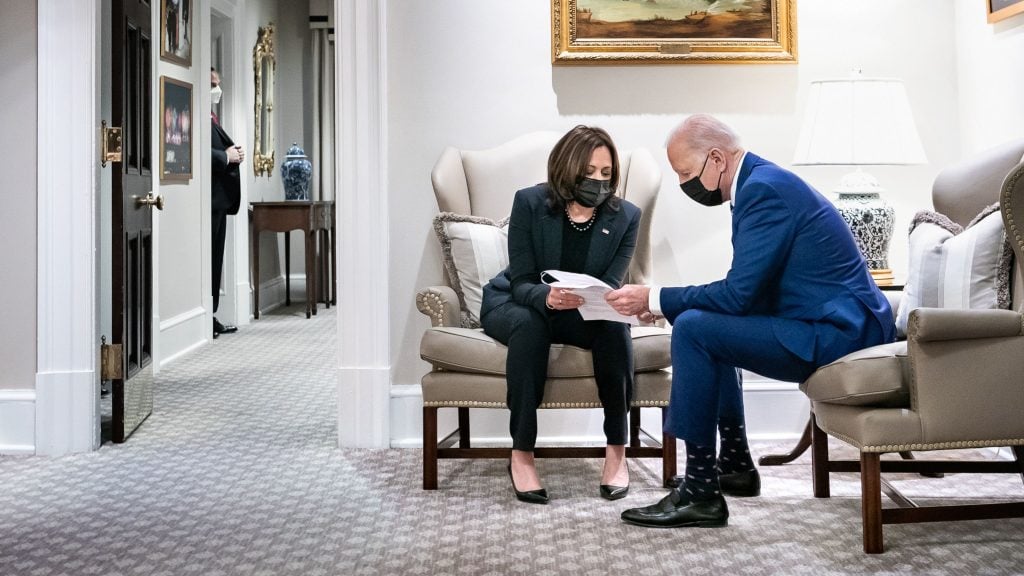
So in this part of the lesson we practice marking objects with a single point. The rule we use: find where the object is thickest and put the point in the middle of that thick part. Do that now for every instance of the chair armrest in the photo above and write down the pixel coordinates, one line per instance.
(965, 374)
(440, 304)
(937, 324)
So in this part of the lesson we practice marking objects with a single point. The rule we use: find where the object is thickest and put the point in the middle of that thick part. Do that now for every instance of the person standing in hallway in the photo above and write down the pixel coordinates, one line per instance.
(797, 296)
(225, 194)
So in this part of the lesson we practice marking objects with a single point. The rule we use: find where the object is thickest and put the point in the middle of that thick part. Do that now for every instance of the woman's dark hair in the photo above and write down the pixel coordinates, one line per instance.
(567, 164)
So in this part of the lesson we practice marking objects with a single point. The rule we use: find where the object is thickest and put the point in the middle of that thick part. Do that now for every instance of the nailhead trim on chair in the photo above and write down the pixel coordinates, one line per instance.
(478, 404)
(945, 445)
(430, 304)
(960, 444)
(1008, 208)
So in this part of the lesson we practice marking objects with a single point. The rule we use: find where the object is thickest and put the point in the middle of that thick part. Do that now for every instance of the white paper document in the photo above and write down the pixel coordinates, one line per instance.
(592, 290)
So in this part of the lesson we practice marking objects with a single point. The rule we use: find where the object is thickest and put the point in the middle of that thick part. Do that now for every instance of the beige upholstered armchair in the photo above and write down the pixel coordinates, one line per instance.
(468, 367)
(956, 382)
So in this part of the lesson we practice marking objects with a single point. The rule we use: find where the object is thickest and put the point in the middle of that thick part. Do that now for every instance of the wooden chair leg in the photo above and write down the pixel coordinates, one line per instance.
(819, 461)
(429, 448)
(464, 428)
(871, 501)
(668, 453)
(1018, 453)
(668, 458)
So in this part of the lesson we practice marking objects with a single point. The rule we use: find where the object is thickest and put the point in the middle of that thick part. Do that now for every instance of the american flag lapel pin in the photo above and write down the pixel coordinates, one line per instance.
(604, 231)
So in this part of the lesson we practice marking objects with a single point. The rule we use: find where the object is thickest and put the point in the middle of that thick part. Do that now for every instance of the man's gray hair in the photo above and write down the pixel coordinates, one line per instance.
(702, 132)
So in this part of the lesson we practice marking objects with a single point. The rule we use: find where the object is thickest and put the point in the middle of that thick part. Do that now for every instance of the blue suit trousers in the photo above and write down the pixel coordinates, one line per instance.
(707, 348)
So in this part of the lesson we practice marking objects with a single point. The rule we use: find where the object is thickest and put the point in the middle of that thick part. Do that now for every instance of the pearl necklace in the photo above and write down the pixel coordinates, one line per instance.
(585, 226)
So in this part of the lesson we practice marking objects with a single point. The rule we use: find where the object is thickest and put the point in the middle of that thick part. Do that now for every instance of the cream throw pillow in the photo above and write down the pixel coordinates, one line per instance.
(954, 267)
(475, 250)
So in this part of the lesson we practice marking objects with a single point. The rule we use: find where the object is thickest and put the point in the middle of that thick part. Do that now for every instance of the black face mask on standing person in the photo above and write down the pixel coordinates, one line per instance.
(591, 192)
(696, 190)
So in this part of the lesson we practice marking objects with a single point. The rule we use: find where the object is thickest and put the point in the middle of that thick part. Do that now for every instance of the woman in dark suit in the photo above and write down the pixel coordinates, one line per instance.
(573, 222)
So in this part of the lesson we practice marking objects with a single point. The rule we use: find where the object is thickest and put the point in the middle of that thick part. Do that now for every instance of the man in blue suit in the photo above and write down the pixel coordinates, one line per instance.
(797, 296)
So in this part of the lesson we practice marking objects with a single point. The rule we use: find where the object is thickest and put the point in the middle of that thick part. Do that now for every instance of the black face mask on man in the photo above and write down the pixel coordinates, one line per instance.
(696, 190)
(591, 192)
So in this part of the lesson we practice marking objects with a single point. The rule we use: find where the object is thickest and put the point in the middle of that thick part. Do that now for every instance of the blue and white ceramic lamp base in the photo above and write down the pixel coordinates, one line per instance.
(871, 220)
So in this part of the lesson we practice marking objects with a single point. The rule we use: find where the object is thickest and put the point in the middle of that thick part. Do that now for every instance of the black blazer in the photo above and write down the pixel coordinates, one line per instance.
(226, 191)
(535, 245)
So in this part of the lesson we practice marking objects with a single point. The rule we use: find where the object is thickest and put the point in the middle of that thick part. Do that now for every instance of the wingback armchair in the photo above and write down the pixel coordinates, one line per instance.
(956, 382)
(468, 367)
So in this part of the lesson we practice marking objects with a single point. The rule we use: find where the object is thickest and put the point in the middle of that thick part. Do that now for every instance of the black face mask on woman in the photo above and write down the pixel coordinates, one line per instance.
(591, 193)
(696, 190)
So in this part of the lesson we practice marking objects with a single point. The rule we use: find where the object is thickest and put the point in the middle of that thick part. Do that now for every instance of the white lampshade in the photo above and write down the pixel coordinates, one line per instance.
(858, 121)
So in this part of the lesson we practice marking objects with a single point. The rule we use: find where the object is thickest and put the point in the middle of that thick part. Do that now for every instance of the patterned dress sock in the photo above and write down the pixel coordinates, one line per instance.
(701, 476)
(733, 452)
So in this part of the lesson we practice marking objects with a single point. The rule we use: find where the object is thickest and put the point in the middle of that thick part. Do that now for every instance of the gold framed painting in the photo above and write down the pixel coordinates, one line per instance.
(1003, 9)
(176, 31)
(175, 130)
(673, 31)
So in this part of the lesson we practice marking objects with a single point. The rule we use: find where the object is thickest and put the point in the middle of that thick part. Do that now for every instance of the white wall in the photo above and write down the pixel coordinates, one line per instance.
(474, 74)
(294, 105)
(182, 227)
(18, 230)
(18, 92)
(990, 58)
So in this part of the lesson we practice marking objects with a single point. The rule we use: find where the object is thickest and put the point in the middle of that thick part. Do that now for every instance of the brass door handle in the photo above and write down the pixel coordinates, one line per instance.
(151, 200)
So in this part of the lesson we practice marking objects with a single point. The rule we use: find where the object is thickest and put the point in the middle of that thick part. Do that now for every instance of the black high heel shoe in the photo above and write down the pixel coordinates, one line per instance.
(539, 496)
(610, 492)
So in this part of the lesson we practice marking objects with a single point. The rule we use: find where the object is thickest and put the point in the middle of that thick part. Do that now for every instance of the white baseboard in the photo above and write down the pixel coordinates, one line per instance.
(273, 292)
(67, 412)
(363, 407)
(182, 334)
(17, 422)
(774, 410)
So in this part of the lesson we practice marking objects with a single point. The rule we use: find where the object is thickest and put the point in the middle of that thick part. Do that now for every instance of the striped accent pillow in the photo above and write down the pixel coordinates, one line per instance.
(954, 267)
(475, 250)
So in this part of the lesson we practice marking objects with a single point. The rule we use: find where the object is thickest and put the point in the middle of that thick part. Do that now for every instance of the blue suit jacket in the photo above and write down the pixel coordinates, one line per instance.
(794, 260)
(535, 245)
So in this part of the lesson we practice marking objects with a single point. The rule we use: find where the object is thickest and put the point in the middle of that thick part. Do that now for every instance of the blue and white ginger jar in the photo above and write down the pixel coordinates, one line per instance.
(296, 172)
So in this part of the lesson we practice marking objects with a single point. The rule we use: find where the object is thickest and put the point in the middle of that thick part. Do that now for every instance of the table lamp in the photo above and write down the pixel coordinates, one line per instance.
(860, 121)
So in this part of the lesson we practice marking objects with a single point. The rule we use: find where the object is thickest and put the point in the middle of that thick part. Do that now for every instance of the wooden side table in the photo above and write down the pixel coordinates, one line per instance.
(316, 220)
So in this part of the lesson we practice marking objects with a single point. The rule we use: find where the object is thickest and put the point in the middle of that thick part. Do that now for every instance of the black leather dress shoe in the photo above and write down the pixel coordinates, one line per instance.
(609, 492)
(739, 484)
(677, 511)
(219, 328)
(539, 496)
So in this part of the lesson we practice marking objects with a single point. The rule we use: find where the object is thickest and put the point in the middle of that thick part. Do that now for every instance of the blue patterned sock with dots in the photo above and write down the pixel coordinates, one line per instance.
(701, 476)
(733, 452)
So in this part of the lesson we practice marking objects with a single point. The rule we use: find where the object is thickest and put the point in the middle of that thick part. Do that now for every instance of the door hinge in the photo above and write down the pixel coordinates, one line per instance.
(110, 144)
(111, 361)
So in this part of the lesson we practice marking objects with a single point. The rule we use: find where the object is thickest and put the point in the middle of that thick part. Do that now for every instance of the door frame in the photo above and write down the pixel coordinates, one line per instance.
(236, 303)
(67, 404)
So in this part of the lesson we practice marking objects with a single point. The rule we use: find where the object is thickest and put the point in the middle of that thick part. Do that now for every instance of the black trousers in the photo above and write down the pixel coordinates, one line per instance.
(529, 335)
(218, 234)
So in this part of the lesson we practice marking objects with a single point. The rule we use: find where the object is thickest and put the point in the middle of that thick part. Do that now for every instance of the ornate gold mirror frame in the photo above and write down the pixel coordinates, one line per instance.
(263, 64)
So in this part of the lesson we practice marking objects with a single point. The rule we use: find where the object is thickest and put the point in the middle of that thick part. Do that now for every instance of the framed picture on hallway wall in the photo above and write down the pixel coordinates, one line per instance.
(673, 31)
(1003, 9)
(175, 130)
(176, 31)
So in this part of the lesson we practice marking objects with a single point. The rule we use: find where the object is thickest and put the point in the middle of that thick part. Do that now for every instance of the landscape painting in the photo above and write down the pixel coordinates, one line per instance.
(1003, 9)
(674, 30)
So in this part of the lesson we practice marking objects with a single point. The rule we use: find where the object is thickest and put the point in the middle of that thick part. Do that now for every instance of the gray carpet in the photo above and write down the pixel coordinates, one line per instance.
(237, 472)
